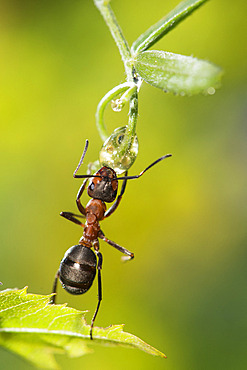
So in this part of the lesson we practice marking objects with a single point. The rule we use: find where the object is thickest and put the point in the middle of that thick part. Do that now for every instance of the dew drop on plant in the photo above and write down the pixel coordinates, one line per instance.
(117, 105)
(211, 90)
(111, 155)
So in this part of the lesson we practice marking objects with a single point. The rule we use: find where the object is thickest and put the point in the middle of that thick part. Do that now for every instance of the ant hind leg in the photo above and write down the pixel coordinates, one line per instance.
(54, 289)
(129, 255)
(99, 268)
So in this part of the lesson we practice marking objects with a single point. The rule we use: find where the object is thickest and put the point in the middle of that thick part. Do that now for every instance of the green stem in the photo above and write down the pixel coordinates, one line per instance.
(117, 34)
(103, 104)
(131, 127)
(128, 94)
(132, 93)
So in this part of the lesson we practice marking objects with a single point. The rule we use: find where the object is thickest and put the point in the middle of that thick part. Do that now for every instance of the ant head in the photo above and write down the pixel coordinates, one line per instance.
(104, 187)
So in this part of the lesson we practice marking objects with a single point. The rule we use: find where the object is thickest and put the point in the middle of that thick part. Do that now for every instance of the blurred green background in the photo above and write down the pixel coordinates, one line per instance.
(185, 292)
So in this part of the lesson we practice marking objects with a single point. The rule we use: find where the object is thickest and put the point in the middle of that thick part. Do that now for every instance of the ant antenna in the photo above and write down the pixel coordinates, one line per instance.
(81, 160)
(80, 163)
(151, 165)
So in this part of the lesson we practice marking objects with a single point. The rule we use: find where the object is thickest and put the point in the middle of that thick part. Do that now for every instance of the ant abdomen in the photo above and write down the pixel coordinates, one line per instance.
(77, 269)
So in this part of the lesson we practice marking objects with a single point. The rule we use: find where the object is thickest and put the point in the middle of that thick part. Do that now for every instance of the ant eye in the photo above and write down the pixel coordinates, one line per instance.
(92, 186)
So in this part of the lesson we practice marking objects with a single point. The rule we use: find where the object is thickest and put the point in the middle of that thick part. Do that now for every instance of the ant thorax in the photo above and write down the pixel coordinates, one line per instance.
(95, 210)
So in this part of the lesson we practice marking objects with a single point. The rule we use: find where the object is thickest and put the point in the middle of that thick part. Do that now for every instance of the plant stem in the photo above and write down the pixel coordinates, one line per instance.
(103, 104)
(111, 21)
(131, 127)
(131, 86)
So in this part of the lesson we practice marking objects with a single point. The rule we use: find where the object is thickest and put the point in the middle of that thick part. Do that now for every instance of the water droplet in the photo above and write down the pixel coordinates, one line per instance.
(110, 154)
(117, 105)
(211, 90)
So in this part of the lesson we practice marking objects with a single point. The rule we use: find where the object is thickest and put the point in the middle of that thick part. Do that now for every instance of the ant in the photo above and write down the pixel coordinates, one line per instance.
(78, 267)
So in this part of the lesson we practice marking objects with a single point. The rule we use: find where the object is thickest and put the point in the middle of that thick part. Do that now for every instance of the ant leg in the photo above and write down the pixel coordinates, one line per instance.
(81, 190)
(99, 267)
(71, 217)
(117, 201)
(54, 289)
(117, 246)
(78, 202)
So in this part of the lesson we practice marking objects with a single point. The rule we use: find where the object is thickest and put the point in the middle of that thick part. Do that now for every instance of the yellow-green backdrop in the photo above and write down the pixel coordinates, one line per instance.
(185, 292)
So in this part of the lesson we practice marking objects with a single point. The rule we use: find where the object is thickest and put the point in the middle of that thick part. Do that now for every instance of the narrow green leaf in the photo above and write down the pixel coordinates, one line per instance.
(36, 330)
(164, 25)
(176, 73)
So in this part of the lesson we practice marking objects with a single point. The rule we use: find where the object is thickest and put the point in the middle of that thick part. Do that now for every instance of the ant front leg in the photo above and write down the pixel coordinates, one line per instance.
(99, 268)
(78, 201)
(117, 246)
(117, 201)
(54, 289)
(81, 190)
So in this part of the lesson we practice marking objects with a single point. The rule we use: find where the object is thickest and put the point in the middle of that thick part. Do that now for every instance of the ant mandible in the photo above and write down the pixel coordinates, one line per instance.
(78, 267)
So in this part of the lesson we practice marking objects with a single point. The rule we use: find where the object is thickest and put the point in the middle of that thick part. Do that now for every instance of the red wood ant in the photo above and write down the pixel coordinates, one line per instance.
(78, 267)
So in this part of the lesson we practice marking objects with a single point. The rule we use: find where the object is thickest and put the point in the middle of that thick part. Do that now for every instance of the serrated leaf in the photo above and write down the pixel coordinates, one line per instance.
(36, 330)
(176, 73)
(164, 25)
